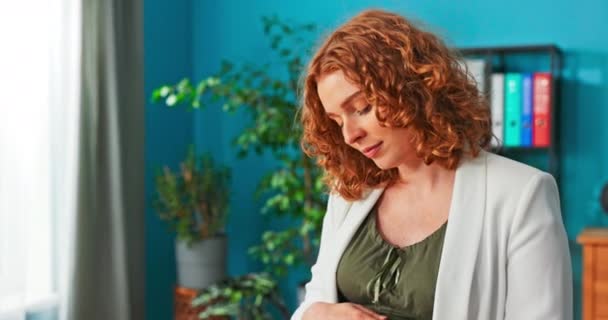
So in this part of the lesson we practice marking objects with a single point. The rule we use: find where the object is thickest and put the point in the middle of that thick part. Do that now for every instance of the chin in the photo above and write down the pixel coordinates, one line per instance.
(382, 165)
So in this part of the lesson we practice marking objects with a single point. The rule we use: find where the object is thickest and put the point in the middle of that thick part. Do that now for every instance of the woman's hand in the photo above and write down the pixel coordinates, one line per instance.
(339, 311)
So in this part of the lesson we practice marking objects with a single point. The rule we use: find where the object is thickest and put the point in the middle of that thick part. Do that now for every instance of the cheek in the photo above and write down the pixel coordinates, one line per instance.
(400, 139)
(390, 134)
(373, 125)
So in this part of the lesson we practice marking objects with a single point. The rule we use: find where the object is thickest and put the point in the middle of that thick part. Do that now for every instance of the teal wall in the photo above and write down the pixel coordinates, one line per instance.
(168, 58)
(192, 37)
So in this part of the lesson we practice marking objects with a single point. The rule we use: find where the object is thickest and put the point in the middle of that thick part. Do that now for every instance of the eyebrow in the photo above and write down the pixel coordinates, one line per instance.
(347, 101)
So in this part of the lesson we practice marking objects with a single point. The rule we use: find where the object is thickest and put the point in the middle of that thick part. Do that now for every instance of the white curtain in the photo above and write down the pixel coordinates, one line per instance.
(39, 79)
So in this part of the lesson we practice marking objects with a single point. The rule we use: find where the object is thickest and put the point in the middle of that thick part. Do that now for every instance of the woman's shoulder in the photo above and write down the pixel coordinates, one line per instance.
(501, 167)
(519, 192)
(506, 174)
(336, 202)
(338, 207)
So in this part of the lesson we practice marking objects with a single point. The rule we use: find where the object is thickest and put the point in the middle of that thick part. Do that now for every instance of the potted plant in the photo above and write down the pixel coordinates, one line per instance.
(194, 201)
(295, 189)
(251, 296)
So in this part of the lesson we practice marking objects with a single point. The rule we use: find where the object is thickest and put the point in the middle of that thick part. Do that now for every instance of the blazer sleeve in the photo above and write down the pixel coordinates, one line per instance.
(316, 289)
(539, 274)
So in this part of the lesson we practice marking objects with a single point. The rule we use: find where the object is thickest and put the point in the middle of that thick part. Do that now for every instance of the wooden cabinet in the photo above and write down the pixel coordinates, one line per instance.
(595, 273)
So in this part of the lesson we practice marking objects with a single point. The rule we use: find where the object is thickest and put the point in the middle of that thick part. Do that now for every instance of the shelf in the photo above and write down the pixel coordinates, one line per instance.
(520, 149)
(549, 48)
(509, 59)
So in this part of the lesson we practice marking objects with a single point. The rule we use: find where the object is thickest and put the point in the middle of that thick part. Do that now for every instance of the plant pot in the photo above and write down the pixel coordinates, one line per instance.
(201, 264)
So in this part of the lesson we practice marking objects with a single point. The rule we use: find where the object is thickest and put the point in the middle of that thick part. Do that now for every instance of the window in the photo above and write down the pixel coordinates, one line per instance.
(38, 113)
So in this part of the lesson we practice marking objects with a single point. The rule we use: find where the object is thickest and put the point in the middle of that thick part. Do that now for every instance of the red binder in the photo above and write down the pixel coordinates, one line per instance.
(542, 109)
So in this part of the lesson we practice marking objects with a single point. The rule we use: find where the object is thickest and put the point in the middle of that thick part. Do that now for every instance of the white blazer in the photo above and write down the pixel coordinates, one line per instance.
(505, 253)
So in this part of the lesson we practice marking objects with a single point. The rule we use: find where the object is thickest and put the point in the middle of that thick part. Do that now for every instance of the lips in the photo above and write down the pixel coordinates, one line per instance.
(370, 152)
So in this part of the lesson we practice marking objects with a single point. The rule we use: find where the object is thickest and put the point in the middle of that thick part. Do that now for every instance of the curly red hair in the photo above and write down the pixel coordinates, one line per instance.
(413, 79)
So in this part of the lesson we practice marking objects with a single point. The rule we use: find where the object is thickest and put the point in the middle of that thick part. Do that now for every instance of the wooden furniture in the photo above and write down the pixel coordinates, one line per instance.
(182, 305)
(595, 273)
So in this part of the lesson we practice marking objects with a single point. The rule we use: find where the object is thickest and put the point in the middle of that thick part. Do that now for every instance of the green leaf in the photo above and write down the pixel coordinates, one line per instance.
(299, 195)
(267, 98)
(164, 91)
(289, 259)
(171, 100)
(156, 95)
(213, 81)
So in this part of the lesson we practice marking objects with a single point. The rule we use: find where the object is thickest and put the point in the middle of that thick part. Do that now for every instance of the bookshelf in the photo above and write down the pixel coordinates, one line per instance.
(526, 59)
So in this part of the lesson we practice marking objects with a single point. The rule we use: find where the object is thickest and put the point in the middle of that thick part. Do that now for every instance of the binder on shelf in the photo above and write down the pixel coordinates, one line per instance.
(542, 109)
(526, 110)
(497, 105)
(507, 100)
(513, 108)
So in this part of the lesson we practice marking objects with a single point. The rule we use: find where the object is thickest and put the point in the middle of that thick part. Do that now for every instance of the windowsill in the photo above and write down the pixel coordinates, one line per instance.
(42, 304)
(43, 307)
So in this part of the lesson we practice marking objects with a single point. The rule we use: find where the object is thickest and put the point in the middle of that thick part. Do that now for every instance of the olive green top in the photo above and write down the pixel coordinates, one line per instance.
(395, 282)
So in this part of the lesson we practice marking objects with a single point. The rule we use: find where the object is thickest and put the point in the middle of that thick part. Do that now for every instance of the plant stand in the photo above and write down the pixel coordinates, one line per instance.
(183, 307)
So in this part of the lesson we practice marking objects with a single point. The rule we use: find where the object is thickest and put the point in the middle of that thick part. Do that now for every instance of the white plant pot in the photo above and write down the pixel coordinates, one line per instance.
(201, 264)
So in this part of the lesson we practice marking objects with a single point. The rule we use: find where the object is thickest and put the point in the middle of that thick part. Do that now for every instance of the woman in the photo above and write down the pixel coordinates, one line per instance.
(422, 223)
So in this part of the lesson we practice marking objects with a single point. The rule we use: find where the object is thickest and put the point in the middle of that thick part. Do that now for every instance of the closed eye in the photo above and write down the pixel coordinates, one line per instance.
(365, 110)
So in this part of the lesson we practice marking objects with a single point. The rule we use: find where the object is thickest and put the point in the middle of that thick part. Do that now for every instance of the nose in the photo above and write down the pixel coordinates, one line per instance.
(352, 132)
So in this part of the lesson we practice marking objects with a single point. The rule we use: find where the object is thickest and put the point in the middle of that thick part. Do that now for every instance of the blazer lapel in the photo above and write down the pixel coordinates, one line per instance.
(461, 244)
(354, 217)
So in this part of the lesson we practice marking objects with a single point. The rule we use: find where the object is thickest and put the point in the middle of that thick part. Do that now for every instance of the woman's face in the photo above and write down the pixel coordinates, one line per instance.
(345, 104)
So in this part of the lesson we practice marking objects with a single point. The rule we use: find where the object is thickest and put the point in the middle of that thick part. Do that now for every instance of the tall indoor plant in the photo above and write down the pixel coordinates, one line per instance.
(194, 201)
(295, 189)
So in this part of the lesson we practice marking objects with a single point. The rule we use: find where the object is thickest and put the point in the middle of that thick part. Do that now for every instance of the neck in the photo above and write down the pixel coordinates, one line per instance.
(422, 176)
